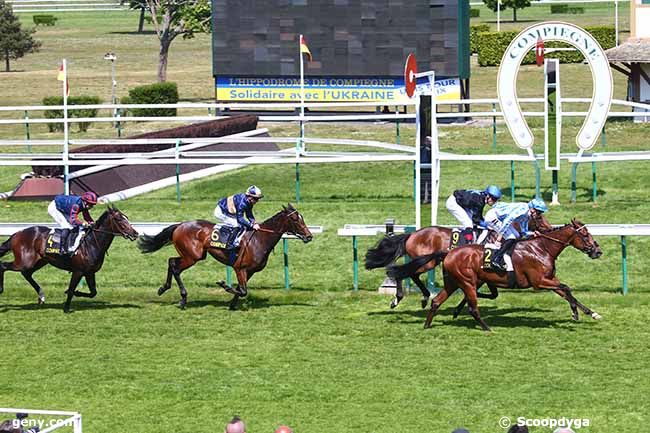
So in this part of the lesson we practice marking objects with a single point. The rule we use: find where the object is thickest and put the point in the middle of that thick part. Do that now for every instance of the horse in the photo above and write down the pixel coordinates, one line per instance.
(533, 260)
(192, 242)
(28, 247)
(427, 240)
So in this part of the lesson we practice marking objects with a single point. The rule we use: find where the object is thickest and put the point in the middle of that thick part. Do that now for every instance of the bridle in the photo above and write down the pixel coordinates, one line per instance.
(568, 242)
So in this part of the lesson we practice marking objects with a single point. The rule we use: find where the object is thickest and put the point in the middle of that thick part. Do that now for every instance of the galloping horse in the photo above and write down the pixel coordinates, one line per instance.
(426, 241)
(28, 247)
(192, 242)
(533, 260)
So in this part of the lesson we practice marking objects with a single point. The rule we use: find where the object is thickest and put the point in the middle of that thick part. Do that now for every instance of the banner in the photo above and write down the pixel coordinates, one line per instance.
(327, 89)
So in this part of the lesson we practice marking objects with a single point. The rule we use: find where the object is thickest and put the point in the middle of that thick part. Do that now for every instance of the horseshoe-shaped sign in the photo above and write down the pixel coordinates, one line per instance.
(600, 71)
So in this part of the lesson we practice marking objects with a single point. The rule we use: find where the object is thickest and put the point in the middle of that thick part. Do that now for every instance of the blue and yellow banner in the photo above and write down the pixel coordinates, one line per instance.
(327, 89)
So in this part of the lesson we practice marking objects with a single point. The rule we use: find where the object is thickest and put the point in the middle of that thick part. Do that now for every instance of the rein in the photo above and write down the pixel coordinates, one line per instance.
(567, 243)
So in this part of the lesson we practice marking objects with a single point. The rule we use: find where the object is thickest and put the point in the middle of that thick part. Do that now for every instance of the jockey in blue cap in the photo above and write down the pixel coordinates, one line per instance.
(466, 205)
(237, 211)
(66, 209)
(502, 219)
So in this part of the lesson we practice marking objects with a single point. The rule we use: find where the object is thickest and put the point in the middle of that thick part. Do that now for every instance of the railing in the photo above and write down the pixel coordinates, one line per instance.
(31, 6)
(8, 229)
(621, 230)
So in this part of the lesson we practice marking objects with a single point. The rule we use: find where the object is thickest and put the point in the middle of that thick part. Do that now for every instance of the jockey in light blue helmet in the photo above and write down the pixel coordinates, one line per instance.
(502, 218)
(538, 204)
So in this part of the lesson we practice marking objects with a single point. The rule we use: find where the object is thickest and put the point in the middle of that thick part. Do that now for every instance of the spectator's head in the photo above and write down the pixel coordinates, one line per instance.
(460, 430)
(518, 429)
(283, 429)
(563, 430)
(236, 425)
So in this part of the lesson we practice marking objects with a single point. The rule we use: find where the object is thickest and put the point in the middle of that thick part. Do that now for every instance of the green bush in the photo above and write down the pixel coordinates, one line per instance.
(559, 8)
(158, 93)
(48, 20)
(493, 44)
(73, 100)
(474, 13)
(473, 36)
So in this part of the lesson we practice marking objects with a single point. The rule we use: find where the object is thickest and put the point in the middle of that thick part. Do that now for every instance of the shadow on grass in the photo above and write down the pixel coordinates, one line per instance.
(247, 303)
(136, 33)
(493, 316)
(76, 306)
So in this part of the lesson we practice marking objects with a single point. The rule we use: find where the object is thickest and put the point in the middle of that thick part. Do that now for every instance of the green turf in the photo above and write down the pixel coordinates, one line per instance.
(320, 357)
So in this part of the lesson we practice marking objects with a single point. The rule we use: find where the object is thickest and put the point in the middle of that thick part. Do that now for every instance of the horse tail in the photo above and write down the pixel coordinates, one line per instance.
(149, 244)
(5, 247)
(399, 272)
(389, 249)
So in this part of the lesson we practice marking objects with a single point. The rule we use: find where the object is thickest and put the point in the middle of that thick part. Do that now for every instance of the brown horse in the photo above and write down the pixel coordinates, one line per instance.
(192, 242)
(426, 241)
(28, 247)
(533, 260)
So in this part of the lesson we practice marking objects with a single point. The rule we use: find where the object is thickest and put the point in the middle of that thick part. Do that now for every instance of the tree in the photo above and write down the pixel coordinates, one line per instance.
(172, 18)
(140, 5)
(14, 41)
(505, 4)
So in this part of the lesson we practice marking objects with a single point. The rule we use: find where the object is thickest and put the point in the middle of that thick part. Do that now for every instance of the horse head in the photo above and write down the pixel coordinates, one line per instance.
(583, 241)
(296, 223)
(118, 223)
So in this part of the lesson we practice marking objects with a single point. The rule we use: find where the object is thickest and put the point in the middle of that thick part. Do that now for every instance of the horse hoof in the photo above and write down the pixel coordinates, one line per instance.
(41, 300)
(161, 290)
(394, 303)
(424, 302)
(67, 310)
(222, 284)
(456, 313)
(596, 316)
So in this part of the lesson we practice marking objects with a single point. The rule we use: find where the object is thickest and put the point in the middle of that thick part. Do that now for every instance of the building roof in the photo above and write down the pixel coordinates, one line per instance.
(634, 50)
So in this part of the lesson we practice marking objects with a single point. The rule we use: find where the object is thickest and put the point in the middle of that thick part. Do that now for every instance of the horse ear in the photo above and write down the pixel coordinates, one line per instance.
(290, 206)
(284, 208)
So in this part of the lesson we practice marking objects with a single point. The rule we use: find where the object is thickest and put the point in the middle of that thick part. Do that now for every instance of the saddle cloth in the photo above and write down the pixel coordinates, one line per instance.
(223, 237)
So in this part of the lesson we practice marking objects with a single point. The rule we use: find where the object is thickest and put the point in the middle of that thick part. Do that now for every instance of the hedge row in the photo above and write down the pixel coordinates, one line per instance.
(73, 100)
(474, 13)
(473, 36)
(158, 93)
(566, 9)
(490, 46)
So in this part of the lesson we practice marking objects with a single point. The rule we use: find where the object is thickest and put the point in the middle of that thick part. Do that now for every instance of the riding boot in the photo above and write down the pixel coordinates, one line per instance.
(234, 237)
(72, 239)
(512, 279)
(63, 241)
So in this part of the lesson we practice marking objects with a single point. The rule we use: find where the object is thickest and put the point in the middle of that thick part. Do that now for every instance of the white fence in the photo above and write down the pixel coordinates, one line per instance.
(38, 6)
(621, 230)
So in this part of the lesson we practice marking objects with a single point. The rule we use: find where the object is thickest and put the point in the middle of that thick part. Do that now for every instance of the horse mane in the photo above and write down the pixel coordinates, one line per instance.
(103, 217)
(273, 220)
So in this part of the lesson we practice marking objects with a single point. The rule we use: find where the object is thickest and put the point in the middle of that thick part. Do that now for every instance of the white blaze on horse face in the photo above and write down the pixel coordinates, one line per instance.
(600, 71)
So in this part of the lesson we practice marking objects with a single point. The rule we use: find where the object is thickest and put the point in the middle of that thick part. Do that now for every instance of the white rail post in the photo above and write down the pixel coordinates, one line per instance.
(66, 138)
(416, 189)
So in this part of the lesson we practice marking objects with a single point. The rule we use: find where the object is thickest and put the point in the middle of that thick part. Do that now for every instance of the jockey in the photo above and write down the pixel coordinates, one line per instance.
(230, 211)
(467, 207)
(65, 210)
(501, 218)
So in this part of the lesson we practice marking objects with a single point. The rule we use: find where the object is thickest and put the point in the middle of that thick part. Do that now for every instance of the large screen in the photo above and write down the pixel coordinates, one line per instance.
(347, 38)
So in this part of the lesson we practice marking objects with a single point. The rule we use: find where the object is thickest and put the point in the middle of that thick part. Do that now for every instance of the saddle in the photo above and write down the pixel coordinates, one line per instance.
(61, 241)
(224, 237)
(460, 237)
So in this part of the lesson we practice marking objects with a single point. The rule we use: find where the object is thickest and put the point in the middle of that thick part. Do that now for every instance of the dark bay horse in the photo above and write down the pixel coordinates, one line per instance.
(28, 247)
(533, 261)
(192, 242)
(426, 241)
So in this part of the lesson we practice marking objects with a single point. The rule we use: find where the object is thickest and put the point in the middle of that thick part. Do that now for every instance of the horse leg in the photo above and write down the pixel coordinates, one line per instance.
(92, 287)
(574, 308)
(233, 303)
(574, 302)
(27, 274)
(492, 295)
(179, 266)
(470, 295)
(5, 266)
(399, 294)
(425, 292)
(168, 282)
(441, 297)
(74, 281)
